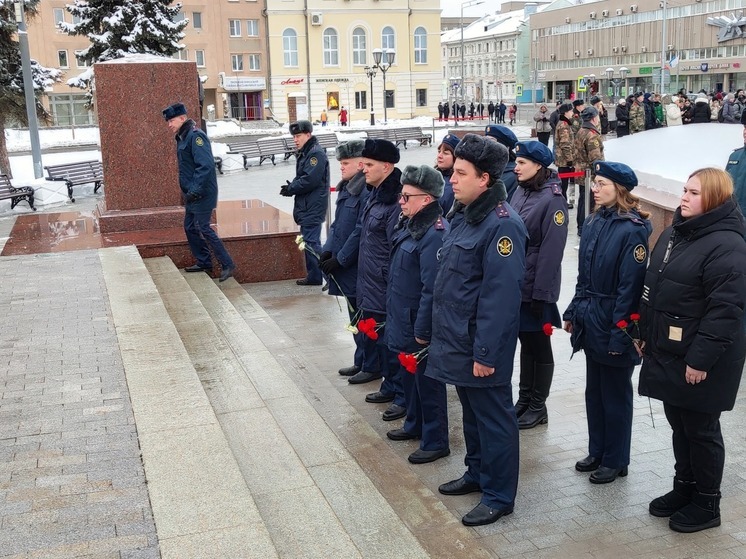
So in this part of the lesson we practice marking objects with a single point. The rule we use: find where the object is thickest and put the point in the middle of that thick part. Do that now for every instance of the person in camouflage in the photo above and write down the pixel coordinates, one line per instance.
(588, 148)
(637, 114)
(577, 107)
(564, 146)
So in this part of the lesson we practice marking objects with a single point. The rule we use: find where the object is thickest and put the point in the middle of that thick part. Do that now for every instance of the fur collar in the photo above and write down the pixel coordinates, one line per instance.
(185, 129)
(356, 184)
(388, 191)
(419, 223)
(486, 202)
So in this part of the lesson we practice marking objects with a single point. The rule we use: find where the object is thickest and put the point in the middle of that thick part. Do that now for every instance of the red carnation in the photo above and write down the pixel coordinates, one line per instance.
(634, 317)
(548, 329)
(372, 334)
(622, 324)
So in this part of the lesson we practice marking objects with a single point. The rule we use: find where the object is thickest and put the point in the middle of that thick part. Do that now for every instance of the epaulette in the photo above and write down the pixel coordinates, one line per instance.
(501, 210)
(439, 225)
(557, 189)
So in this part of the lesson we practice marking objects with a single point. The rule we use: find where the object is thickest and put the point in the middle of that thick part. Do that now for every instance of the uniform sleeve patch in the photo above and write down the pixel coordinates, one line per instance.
(640, 254)
(504, 246)
(314, 162)
(559, 218)
(199, 141)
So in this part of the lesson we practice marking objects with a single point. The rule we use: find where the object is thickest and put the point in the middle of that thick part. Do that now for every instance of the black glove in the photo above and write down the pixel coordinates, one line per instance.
(326, 255)
(284, 191)
(330, 266)
(537, 308)
(192, 196)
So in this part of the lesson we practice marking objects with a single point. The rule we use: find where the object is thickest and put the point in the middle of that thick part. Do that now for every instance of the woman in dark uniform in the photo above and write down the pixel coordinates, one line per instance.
(542, 207)
(611, 269)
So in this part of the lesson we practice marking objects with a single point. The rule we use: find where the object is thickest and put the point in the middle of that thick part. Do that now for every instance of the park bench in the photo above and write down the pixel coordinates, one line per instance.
(15, 194)
(73, 174)
(218, 163)
(401, 135)
(381, 134)
(270, 147)
(248, 149)
(328, 141)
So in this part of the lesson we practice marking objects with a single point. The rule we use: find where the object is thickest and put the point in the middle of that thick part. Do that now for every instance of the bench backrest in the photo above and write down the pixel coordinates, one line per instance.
(5, 185)
(244, 147)
(327, 141)
(272, 145)
(83, 171)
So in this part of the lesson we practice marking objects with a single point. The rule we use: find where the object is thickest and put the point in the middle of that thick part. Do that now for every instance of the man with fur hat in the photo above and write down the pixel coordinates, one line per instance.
(476, 307)
(199, 185)
(444, 163)
(637, 114)
(339, 259)
(577, 107)
(379, 218)
(505, 136)
(589, 147)
(418, 238)
(311, 190)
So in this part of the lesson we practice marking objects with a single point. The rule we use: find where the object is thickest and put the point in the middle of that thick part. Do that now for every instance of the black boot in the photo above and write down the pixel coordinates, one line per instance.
(702, 513)
(537, 410)
(525, 384)
(674, 500)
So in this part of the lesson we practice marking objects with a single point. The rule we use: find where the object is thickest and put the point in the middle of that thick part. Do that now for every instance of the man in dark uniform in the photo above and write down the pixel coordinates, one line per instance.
(379, 218)
(491, 110)
(311, 190)
(506, 137)
(339, 259)
(482, 264)
(440, 111)
(414, 265)
(446, 110)
(199, 184)
(737, 169)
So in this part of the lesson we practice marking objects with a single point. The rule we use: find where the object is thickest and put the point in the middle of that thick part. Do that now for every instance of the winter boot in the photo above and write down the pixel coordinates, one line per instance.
(702, 513)
(537, 409)
(525, 384)
(673, 501)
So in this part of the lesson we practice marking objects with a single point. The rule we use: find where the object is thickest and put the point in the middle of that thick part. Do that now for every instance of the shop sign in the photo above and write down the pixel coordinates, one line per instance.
(646, 70)
(292, 81)
(331, 80)
(235, 83)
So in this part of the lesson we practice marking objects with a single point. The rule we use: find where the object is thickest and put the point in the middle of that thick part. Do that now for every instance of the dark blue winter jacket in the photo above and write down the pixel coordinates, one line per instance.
(197, 178)
(446, 200)
(344, 233)
(379, 219)
(737, 169)
(310, 185)
(611, 271)
(510, 180)
(414, 265)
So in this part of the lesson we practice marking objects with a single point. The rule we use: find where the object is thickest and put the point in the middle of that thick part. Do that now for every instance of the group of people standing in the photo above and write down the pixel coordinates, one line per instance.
(495, 111)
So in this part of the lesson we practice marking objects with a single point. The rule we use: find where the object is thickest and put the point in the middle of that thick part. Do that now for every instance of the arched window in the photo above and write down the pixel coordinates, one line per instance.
(331, 48)
(290, 47)
(359, 47)
(420, 46)
(388, 40)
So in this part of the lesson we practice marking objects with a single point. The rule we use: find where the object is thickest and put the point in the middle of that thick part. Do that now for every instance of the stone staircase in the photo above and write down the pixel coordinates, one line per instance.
(249, 450)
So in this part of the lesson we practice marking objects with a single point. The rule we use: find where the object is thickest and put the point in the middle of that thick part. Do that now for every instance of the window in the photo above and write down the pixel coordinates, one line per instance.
(331, 48)
(182, 54)
(389, 98)
(234, 27)
(387, 39)
(197, 20)
(254, 62)
(421, 95)
(361, 100)
(62, 59)
(199, 58)
(76, 19)
(67, 108)
(237, 62)
(420, 46)
(59, 15)
(290, 47)
(252, 27)
(359, 52)
(80, 62)
(179, 17)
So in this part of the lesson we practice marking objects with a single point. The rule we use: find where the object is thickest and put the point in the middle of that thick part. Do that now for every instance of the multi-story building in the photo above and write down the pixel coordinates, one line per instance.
(700, 42)
(320, 50)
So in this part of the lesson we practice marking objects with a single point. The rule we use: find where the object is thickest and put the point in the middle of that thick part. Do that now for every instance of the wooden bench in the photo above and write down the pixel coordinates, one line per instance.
(270, 147)
(248, 149)
(381, 134)
(401, 135)
(328, 141)
(15, 194)
(73, 174)
(218, 163)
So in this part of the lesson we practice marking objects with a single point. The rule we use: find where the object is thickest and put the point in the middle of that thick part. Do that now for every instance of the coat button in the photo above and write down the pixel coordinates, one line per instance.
(482, 351)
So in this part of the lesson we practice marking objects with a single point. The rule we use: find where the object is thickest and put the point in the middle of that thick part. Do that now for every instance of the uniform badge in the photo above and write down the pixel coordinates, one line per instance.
(640, 254)
(504, 246)
(199, 141)
(559, 218)
(313, 162)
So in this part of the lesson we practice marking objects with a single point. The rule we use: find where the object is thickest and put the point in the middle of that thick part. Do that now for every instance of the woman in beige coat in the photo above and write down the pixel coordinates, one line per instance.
(543, 127)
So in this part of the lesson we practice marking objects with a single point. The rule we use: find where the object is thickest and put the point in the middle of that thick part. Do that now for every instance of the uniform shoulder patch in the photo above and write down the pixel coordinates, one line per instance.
(640, 253)
(439, 225)
(557, 190)
(501, 210)
(199, 141)
(313, 161)
(504, 246)
(559, 218)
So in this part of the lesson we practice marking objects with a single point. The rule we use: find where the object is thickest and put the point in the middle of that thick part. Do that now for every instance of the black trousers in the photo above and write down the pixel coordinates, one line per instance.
(697, 447)
(544, 137)
(565, 182)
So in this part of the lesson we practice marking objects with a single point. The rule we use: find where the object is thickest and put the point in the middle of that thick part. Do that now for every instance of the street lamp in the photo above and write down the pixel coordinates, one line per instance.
(384, 63)
(468, 4)
(370, 71)
(616, 83)
(455, 81)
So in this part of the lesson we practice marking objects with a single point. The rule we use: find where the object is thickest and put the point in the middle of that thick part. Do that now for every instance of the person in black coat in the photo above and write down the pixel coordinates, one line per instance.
(440, 111)
(446, 110)
(462, 110)
(611, 270)
(701, 111)
(649, 107)
(622, 118)
(491, 110)
(692, 318)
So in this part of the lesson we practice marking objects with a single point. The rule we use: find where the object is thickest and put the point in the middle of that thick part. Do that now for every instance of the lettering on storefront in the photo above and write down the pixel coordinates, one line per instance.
(646, 70)
(331, 80)
(234, 83)
(706, 66)
(730, 26)
(292, 81)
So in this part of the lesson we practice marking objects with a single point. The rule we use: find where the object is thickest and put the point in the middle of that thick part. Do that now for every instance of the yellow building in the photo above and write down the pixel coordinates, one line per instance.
(319, 51)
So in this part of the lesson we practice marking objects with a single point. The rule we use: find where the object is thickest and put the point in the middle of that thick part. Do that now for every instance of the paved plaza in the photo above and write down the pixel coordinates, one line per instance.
(147, 413)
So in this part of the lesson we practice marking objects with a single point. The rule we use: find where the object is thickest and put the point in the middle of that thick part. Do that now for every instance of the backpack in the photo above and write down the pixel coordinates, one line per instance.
(720, 115)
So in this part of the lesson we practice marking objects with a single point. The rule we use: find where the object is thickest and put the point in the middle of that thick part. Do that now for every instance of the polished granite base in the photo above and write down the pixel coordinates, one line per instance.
(259, 237)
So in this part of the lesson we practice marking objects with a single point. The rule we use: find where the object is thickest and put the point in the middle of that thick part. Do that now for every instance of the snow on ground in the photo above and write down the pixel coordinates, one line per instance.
(18, 139)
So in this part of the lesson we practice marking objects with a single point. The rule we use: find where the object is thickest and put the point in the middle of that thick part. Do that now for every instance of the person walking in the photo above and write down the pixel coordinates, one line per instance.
(343, 116)
(512, 112)
(541, 204)
(543, 127)
(199, 186)
(418, 239)
(340, 252)
(310, 187)
(564, 148)
(622, 118)
(324, 118)
(589, 147)
(482, 265)
(611, 269)
(694, 341)
(504, 135)
(444, 164)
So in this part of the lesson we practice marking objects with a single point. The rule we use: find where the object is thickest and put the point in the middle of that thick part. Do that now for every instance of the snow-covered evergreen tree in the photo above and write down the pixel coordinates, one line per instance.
(12, 100)
(117, 28)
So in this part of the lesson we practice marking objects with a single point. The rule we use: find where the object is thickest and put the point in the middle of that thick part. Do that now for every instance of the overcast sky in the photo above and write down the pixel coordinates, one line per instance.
(452, 8)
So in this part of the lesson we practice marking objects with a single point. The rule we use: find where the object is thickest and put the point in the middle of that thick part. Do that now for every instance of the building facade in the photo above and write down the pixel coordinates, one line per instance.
(701, 45)
(320, 50)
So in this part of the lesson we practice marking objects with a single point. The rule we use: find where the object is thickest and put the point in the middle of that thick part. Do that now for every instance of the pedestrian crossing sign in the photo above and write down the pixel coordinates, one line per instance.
(519, 89)
(581, 84)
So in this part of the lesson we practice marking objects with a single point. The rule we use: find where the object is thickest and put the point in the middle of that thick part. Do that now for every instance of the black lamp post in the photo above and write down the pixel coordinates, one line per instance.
(370, 71)
(383, 63)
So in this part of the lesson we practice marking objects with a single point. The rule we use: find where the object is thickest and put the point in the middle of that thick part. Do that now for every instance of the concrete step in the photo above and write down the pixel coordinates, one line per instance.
(201, 504)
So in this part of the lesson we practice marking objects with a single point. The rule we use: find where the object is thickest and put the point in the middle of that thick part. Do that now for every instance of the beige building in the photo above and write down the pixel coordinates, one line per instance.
(319, 51)
(702, 48)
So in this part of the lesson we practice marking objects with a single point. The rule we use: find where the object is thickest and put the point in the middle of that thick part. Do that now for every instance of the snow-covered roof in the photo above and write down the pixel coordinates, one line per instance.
(489, 26)
(141, 58)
